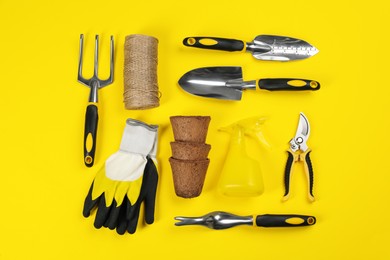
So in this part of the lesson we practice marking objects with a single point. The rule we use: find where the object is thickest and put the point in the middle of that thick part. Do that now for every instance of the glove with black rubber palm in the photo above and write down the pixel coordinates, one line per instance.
(128, 178)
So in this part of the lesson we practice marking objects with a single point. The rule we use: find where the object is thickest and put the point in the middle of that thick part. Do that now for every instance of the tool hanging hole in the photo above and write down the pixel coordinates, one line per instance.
(88, 159)
(313, 84)
(311, 221)
(191, 41)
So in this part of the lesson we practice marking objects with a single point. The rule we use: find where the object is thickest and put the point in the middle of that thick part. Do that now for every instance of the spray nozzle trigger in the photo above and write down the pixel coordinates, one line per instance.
(251, 127)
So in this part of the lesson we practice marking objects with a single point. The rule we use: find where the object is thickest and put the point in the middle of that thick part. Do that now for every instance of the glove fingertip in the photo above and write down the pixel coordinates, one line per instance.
(149, 219)
(88, 207)
(120, 230)
(89, 203)
(86, 214)
(132, 229)
(97, 225)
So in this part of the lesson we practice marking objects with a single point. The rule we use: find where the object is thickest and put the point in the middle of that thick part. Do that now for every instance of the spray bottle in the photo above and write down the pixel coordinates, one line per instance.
(241, 175)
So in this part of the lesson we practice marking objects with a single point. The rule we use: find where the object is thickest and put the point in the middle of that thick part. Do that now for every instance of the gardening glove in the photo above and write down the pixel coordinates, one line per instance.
(128, 178)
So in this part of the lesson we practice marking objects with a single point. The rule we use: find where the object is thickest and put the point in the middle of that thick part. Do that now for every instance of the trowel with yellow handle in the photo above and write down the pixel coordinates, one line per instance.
(263, 47)
(226, 82)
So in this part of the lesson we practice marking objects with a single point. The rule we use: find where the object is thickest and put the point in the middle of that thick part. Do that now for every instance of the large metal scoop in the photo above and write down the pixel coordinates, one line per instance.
(263, 47)
(227, 83)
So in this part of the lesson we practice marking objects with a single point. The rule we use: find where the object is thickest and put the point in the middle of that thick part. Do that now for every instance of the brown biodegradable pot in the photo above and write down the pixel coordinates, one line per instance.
(190, 128)
(190, 150)
(188, 176)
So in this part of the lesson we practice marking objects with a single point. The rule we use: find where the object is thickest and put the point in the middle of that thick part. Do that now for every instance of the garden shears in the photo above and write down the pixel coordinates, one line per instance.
(299, 151)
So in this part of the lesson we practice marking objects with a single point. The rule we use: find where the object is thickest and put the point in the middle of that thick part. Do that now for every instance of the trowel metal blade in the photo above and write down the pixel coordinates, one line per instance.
(281, 48)
(211, 82)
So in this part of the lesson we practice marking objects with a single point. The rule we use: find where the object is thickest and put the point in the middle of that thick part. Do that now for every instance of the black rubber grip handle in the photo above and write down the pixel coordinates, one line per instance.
(90, 131)
(288, 84)
(310, 175)
(287, 174)
(214, 43)
(284, 220)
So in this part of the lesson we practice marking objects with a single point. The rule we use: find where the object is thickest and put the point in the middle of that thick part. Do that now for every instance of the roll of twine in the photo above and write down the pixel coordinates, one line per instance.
(140, 72)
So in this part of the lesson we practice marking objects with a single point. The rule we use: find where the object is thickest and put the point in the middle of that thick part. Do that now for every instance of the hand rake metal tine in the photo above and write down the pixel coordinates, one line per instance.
(80, 77)
(96, 63)
(110, 79)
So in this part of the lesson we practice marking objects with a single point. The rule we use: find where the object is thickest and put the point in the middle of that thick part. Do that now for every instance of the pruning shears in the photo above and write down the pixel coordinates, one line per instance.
(299, 151)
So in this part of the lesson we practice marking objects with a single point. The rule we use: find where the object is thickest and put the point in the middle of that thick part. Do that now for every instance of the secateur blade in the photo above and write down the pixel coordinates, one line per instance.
(302, 134)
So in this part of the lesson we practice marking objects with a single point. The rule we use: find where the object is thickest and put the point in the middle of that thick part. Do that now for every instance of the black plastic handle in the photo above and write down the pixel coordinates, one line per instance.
(310, 175)
(90, 131)
(287, 175)
(284, 220)
(288, 84)
(214, 43)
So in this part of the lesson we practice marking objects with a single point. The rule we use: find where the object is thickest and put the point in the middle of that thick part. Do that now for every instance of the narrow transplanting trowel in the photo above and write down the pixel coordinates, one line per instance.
(263, 47)
(227, 83)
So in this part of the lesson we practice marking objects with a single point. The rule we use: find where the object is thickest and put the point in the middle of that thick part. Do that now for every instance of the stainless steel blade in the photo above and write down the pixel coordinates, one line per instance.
(302, 134)
(214, 82)
(280, 48)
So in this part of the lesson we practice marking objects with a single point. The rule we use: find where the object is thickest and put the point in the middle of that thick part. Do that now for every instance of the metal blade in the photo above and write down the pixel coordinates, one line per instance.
(212, 82)
(302, 134)
(280, 48)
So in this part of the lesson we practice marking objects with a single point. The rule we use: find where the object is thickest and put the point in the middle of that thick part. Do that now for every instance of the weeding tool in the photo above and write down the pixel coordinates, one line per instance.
(94, 83)
(227, 83)
(299, 151)
(224, 220)
(263, 47)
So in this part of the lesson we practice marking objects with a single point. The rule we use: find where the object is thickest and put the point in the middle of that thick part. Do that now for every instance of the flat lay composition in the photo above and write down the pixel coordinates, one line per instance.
(204, 130)
(130, 176)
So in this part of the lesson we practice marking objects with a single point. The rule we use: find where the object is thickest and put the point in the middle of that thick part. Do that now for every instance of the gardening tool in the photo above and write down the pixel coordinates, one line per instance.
(263, 47)
(91, 115)
(299, 151)
(227, 83)
(224, 220)
(127, 180)
(241, 174)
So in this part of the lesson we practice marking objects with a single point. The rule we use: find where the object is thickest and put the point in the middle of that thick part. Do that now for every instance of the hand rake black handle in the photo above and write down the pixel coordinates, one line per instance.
(90, 131)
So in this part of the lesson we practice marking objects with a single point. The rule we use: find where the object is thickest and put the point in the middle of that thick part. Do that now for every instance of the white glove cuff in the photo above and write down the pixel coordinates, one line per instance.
(139, 138)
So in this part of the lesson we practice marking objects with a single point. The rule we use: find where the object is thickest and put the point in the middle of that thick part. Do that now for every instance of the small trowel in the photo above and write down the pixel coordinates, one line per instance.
(263, 47)
(227, 83)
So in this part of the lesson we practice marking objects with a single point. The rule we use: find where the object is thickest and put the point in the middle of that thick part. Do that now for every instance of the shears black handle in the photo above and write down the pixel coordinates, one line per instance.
(292, 158)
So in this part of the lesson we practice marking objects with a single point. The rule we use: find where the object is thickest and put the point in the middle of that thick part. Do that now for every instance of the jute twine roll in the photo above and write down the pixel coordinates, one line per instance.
(140, 72)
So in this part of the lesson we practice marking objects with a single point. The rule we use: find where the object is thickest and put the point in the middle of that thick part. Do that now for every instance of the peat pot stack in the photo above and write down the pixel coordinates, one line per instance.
(189, 160)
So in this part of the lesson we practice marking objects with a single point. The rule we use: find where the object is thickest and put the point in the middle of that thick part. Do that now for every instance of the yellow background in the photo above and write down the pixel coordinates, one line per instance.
(44, 181)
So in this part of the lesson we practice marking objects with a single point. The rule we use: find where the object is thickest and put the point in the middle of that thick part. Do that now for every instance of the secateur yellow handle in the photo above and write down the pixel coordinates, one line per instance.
(292, 158)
